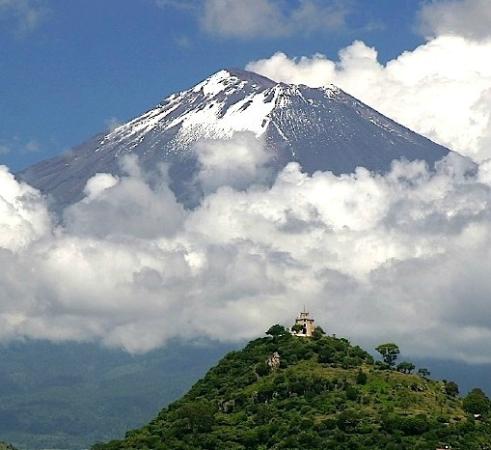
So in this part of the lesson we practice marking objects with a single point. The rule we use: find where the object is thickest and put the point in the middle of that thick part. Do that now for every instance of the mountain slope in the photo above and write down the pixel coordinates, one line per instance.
(322, 129)
(324, 394)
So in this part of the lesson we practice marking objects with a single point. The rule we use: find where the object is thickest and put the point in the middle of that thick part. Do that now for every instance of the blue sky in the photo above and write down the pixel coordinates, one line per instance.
(68, 68)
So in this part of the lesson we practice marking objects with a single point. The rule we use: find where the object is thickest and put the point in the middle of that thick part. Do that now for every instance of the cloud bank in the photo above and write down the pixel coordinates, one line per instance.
(404, 256)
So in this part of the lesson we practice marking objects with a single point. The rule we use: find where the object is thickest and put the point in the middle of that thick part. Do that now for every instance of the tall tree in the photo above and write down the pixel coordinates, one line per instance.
(406, 367)
(476, 402)
(389, 352)
(452, 388)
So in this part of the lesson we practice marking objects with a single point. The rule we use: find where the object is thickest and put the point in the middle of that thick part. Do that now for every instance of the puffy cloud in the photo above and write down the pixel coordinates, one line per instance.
(236, 162)
(123, 206)
(403, 256)
(259, 18)
(441, 89)
(23, 214)
(264, 18)
(98, 184)
(468, 18)
(239, 19)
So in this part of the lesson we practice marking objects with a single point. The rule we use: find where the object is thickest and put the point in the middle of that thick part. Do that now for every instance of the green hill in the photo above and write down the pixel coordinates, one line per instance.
(322, 393)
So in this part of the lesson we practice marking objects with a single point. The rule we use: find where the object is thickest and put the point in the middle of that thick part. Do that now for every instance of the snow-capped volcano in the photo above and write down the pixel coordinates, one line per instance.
(321, 128)
(225, 103)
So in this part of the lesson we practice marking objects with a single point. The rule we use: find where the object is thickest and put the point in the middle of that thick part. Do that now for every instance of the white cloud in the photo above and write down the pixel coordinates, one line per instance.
(24, 216)
(98, 184)
(112, 123)
(440, 89)
(468, 18)
(26, 14)
(242, 19)
(237, 162)
(403, 256)
(119, 206)
(264, 18)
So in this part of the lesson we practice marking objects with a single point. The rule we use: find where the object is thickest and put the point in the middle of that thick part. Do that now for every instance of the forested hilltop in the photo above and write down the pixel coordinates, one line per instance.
(288, 392)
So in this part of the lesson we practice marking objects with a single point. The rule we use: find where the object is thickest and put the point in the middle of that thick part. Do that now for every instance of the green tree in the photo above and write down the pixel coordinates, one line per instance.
(389, 352)
(352, 393)
(406, 367)
(451, 388)
(277, 330)
(297, 328)
(348, 419)
(197, 417)
(318, 333)
(361, 377)
(415, 425)
(476, 402)
(423, 372)
(326, 355)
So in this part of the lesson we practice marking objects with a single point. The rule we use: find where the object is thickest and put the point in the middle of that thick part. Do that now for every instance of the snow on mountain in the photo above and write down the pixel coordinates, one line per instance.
(212, 109)
(321, 128)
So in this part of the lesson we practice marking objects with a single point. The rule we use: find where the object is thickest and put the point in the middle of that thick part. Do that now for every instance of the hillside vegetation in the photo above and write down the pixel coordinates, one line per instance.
(322, 393)
(5, 446)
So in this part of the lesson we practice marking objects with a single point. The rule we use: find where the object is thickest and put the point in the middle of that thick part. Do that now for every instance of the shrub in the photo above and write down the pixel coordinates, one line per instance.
(451, 388)
(352, 393)
(361, 377)
(476, 402)
(277, 330)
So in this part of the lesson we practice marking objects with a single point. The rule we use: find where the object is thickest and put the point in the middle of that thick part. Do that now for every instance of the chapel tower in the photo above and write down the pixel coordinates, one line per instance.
(304, 325)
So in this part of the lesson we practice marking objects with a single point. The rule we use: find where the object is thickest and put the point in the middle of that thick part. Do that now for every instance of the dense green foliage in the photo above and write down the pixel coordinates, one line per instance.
(389, 353)
(326, 394)
(476, 402)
